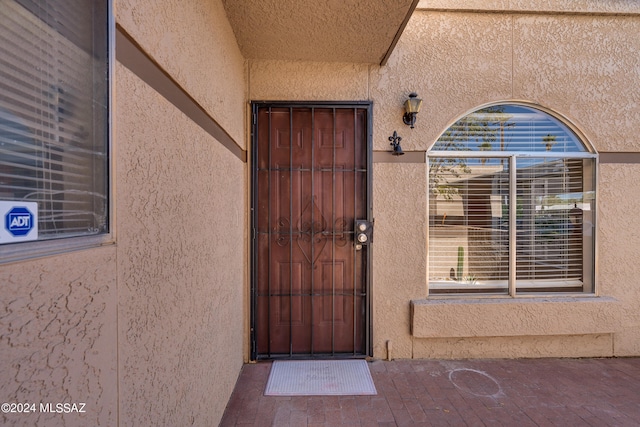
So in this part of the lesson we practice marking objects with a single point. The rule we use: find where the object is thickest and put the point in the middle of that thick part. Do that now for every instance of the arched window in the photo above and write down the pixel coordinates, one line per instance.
(511, 205)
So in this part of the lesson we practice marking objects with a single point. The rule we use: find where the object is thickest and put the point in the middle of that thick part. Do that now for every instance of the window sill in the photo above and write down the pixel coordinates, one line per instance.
(505, 316)
(16, 252)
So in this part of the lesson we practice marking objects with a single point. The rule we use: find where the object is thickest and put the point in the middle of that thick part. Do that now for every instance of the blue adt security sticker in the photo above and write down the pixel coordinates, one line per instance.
(20, 221)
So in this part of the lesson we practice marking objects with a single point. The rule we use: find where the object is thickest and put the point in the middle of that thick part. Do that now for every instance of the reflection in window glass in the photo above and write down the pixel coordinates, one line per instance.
(511, 199)
(468, 213)
(509, 128)
(53, 112)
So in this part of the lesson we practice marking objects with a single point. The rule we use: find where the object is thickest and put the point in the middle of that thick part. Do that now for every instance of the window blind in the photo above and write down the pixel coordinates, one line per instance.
(468, 217)
(53, 113)
(513, 129)
(551, 203)
(511, 190)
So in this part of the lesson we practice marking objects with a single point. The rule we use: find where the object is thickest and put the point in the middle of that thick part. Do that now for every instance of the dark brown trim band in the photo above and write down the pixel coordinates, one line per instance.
(420, 157)
(619, 157)
(131, 55)
(408, 157)
(548, 12)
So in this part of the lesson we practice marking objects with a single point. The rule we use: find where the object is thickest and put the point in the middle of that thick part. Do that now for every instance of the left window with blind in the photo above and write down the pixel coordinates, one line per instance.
(54, 119)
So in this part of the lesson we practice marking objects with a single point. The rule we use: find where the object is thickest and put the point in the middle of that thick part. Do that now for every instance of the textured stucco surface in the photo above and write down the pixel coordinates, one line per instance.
(453, 62)
(181, 256)
(508, 317)
(399, 261)
(583, 67)
(358, 31)
(194, 42)
(587, 68)
(304, 81)
(181, 214)
(58, 337)
(619, 243)
(537, 6)
(149, 330)
(598, 345)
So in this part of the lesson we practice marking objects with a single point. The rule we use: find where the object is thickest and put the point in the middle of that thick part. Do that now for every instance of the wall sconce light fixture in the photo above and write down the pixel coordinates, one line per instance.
(411, 108)
(395, 141)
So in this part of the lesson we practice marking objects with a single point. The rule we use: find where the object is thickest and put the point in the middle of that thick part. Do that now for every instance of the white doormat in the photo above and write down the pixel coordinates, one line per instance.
(320, 378)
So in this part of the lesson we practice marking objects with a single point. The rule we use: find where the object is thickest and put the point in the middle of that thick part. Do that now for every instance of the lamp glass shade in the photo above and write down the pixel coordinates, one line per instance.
(412, 105)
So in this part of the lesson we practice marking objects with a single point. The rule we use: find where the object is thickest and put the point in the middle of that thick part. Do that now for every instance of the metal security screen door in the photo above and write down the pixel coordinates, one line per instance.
(311, 186)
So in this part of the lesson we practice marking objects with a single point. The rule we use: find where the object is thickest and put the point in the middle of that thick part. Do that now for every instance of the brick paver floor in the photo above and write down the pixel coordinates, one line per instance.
(518, 392)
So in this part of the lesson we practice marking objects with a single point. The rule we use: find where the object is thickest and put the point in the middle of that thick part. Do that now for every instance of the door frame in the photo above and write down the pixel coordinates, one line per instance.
(255, 105)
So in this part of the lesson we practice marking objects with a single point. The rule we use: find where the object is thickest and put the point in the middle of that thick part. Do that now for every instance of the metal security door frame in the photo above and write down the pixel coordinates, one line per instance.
(255, 106)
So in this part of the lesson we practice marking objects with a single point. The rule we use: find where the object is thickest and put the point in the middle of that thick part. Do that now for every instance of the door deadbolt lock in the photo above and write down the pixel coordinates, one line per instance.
(363, 233)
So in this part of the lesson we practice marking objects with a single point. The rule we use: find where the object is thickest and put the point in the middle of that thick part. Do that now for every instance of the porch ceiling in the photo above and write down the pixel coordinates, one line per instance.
(362, 31)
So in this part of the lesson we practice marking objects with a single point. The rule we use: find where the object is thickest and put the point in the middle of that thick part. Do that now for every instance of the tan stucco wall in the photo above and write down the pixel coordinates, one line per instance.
(180, 264)
(399, 262)
(194, 42)
(584, 67)
(618, 249)
(340, 31)
(181, 214)
(148, 330)
(58, 337)
(536, 6)
(294, 80)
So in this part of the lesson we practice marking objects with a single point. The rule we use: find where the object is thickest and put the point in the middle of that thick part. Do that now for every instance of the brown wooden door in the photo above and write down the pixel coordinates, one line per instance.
(311, 182)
